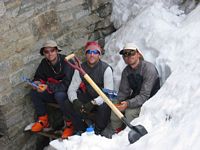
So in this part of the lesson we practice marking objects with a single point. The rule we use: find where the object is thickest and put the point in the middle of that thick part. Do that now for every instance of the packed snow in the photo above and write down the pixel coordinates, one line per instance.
(170, 39)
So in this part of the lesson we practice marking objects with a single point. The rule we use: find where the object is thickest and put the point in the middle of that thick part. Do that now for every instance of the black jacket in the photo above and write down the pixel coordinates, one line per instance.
(97, 75)
(57, 77)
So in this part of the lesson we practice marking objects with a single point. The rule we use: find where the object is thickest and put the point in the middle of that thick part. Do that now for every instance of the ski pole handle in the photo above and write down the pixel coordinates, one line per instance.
(29, 82)
(42, 88)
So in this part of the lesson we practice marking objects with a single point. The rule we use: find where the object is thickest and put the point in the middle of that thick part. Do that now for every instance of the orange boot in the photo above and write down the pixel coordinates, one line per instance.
(68, 131)
(40, 124)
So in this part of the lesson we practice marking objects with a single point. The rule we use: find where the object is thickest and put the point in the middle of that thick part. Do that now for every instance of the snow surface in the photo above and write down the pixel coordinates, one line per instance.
(171, 40)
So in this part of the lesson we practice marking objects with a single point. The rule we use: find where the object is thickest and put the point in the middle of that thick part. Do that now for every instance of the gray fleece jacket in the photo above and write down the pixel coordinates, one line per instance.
(149, 78)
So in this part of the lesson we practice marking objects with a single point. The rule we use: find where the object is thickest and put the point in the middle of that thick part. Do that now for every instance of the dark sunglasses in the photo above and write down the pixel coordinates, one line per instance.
(49, 51)
(129, 53)
(89, 51)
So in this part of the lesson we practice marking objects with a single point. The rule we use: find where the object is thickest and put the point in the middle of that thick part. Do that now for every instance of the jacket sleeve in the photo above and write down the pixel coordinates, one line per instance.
(39, 74)
(74, 85)
(64, 84)
(124, 88)
(149, 77)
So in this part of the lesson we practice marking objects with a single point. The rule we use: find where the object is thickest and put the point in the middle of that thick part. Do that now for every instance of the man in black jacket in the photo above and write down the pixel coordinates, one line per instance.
(53, 77)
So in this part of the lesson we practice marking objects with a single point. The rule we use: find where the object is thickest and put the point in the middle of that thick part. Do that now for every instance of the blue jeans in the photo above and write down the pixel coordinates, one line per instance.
(40, 99)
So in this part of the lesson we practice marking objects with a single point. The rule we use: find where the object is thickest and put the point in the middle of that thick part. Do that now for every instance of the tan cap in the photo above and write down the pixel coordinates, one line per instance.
(50, 43)
(131, 46)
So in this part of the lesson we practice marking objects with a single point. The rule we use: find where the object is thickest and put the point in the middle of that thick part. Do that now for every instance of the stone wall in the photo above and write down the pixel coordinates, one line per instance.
(24, 26)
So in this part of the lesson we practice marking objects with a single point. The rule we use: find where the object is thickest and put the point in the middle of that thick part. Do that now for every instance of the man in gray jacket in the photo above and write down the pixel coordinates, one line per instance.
(139, 82)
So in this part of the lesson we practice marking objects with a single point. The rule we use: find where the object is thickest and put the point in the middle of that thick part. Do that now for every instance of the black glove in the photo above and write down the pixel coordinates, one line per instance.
(88, 107)
(82, 108)
(78, 105)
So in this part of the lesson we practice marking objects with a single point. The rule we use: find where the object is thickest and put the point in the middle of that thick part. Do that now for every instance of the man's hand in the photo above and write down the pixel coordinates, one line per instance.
(87, 107)
(36, 83)
(82, 108)
(122, 106)
(77, 105)
(41, 87)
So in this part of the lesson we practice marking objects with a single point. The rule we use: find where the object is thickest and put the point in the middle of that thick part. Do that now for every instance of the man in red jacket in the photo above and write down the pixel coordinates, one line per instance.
(53, 77)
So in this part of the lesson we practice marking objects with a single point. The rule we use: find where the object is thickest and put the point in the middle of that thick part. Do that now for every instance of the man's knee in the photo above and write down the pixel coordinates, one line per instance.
(60, 96)
(35, 96)
(114, 117)
(131, 114)
(115, 121)
(102, 116)
(104, 107)
(104, 112)
(33, 93)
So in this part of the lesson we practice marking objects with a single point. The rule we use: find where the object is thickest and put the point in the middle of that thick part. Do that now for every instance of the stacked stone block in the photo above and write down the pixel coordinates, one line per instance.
(24, 26)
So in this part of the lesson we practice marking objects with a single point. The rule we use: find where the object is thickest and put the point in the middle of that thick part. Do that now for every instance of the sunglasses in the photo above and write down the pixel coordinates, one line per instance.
(89, 51)
(129, 53)
(49, 51)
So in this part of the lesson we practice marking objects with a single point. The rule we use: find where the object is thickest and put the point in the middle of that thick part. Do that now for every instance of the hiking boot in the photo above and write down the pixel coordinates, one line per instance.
(40, 124)
(108, 132)
(97, 130)
(68, 131)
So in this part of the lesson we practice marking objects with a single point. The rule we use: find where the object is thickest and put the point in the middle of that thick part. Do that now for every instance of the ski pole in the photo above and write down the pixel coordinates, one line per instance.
(32, 83)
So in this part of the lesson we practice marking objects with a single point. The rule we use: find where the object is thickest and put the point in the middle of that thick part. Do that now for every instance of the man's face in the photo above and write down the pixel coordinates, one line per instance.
(50, 53)
(131, 57)
(92, 54)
